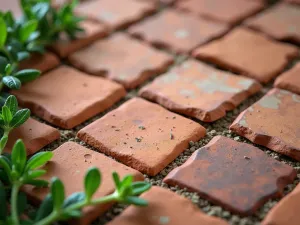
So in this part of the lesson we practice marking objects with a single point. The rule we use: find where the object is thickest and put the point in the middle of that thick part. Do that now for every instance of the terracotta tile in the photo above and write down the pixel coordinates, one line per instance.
(293, 1)
(237, 176)
(281, 22)
(13, 6)
(177, 31)
(259, 57)
(229, 11)
(115, 57)
(42, 62)
(35, 135)
(286, 211)
(54, 96)
(271, 122)
(114, 14)
(164, 207)
(70, 163)
(290, 80)
(142, 135)
(93, 31)
(200, 91)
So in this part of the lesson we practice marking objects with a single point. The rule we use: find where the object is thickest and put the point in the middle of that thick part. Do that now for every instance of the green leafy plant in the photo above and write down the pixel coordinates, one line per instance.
(52, 23)
(13, 79)
(11, 117)
(18, 171)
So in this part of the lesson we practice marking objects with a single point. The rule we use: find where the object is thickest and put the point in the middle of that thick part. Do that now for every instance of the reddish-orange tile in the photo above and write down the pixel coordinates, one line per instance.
(114, 14)
(293, 1)
(67, 97)
(34, 134)
(281, 22)
(286, 212)
(249, 53)
(272, 122)
(42, 62)
(237, 176)
(200, 91)
(13, 6)
(142, 135)
(177, 31)
(290, 80)
(123, 59)
(92, 31)
(165, 207)
(70, 163)
(229, 11)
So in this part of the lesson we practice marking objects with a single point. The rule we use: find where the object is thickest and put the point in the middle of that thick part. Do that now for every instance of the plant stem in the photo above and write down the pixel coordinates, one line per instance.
(6, 133)
(14, 203)
(55, 216)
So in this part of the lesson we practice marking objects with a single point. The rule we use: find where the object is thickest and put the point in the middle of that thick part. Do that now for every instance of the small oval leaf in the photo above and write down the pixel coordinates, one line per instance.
(38, 160)
(58, 193)
(92, 182)
(12, 103)
(19, 118)
(12, 82)
(27, 75)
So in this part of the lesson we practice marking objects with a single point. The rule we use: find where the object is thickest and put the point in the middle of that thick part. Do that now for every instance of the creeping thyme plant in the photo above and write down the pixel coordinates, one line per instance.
(40, 26)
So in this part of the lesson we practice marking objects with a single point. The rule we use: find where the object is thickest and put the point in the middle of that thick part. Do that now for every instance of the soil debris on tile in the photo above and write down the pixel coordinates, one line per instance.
(219, 173)
(155, 138)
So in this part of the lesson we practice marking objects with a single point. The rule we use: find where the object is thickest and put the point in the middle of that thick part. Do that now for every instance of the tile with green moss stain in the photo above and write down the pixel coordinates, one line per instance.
(200, 91)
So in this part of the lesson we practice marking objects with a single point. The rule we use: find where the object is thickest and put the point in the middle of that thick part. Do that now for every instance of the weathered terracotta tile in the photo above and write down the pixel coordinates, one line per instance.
(281, 22)
(165, 207)
(114, 14)
(42, 62)
(115, 57)
(177, 31)
(200, 91)
(92, 31)
(286, 212)
(70, 163)
(35, 135)
(237, 176)
(230, 11)
(142, 135)
(54, 96)
(259, 57)
(272, 122)
(290, 80)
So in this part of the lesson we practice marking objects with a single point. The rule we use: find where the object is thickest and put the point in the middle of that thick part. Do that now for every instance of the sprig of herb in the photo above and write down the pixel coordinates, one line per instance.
(56, 207)
(11, 117)
(52, 23)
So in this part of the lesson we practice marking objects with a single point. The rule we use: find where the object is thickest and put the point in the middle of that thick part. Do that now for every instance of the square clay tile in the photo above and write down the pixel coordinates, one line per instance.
(115, 14)
(165, 207)
(70, 163)
(42, 62)
(115, 57)
(93, 31)
(142, 135)
(290, 80)
(272, 122)
(228, 11)
(237, 176)
(177, 31)
(286, 212)
(249, 53)
(35, 135)
(200, 91)
(281, 22)
(67, 97)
